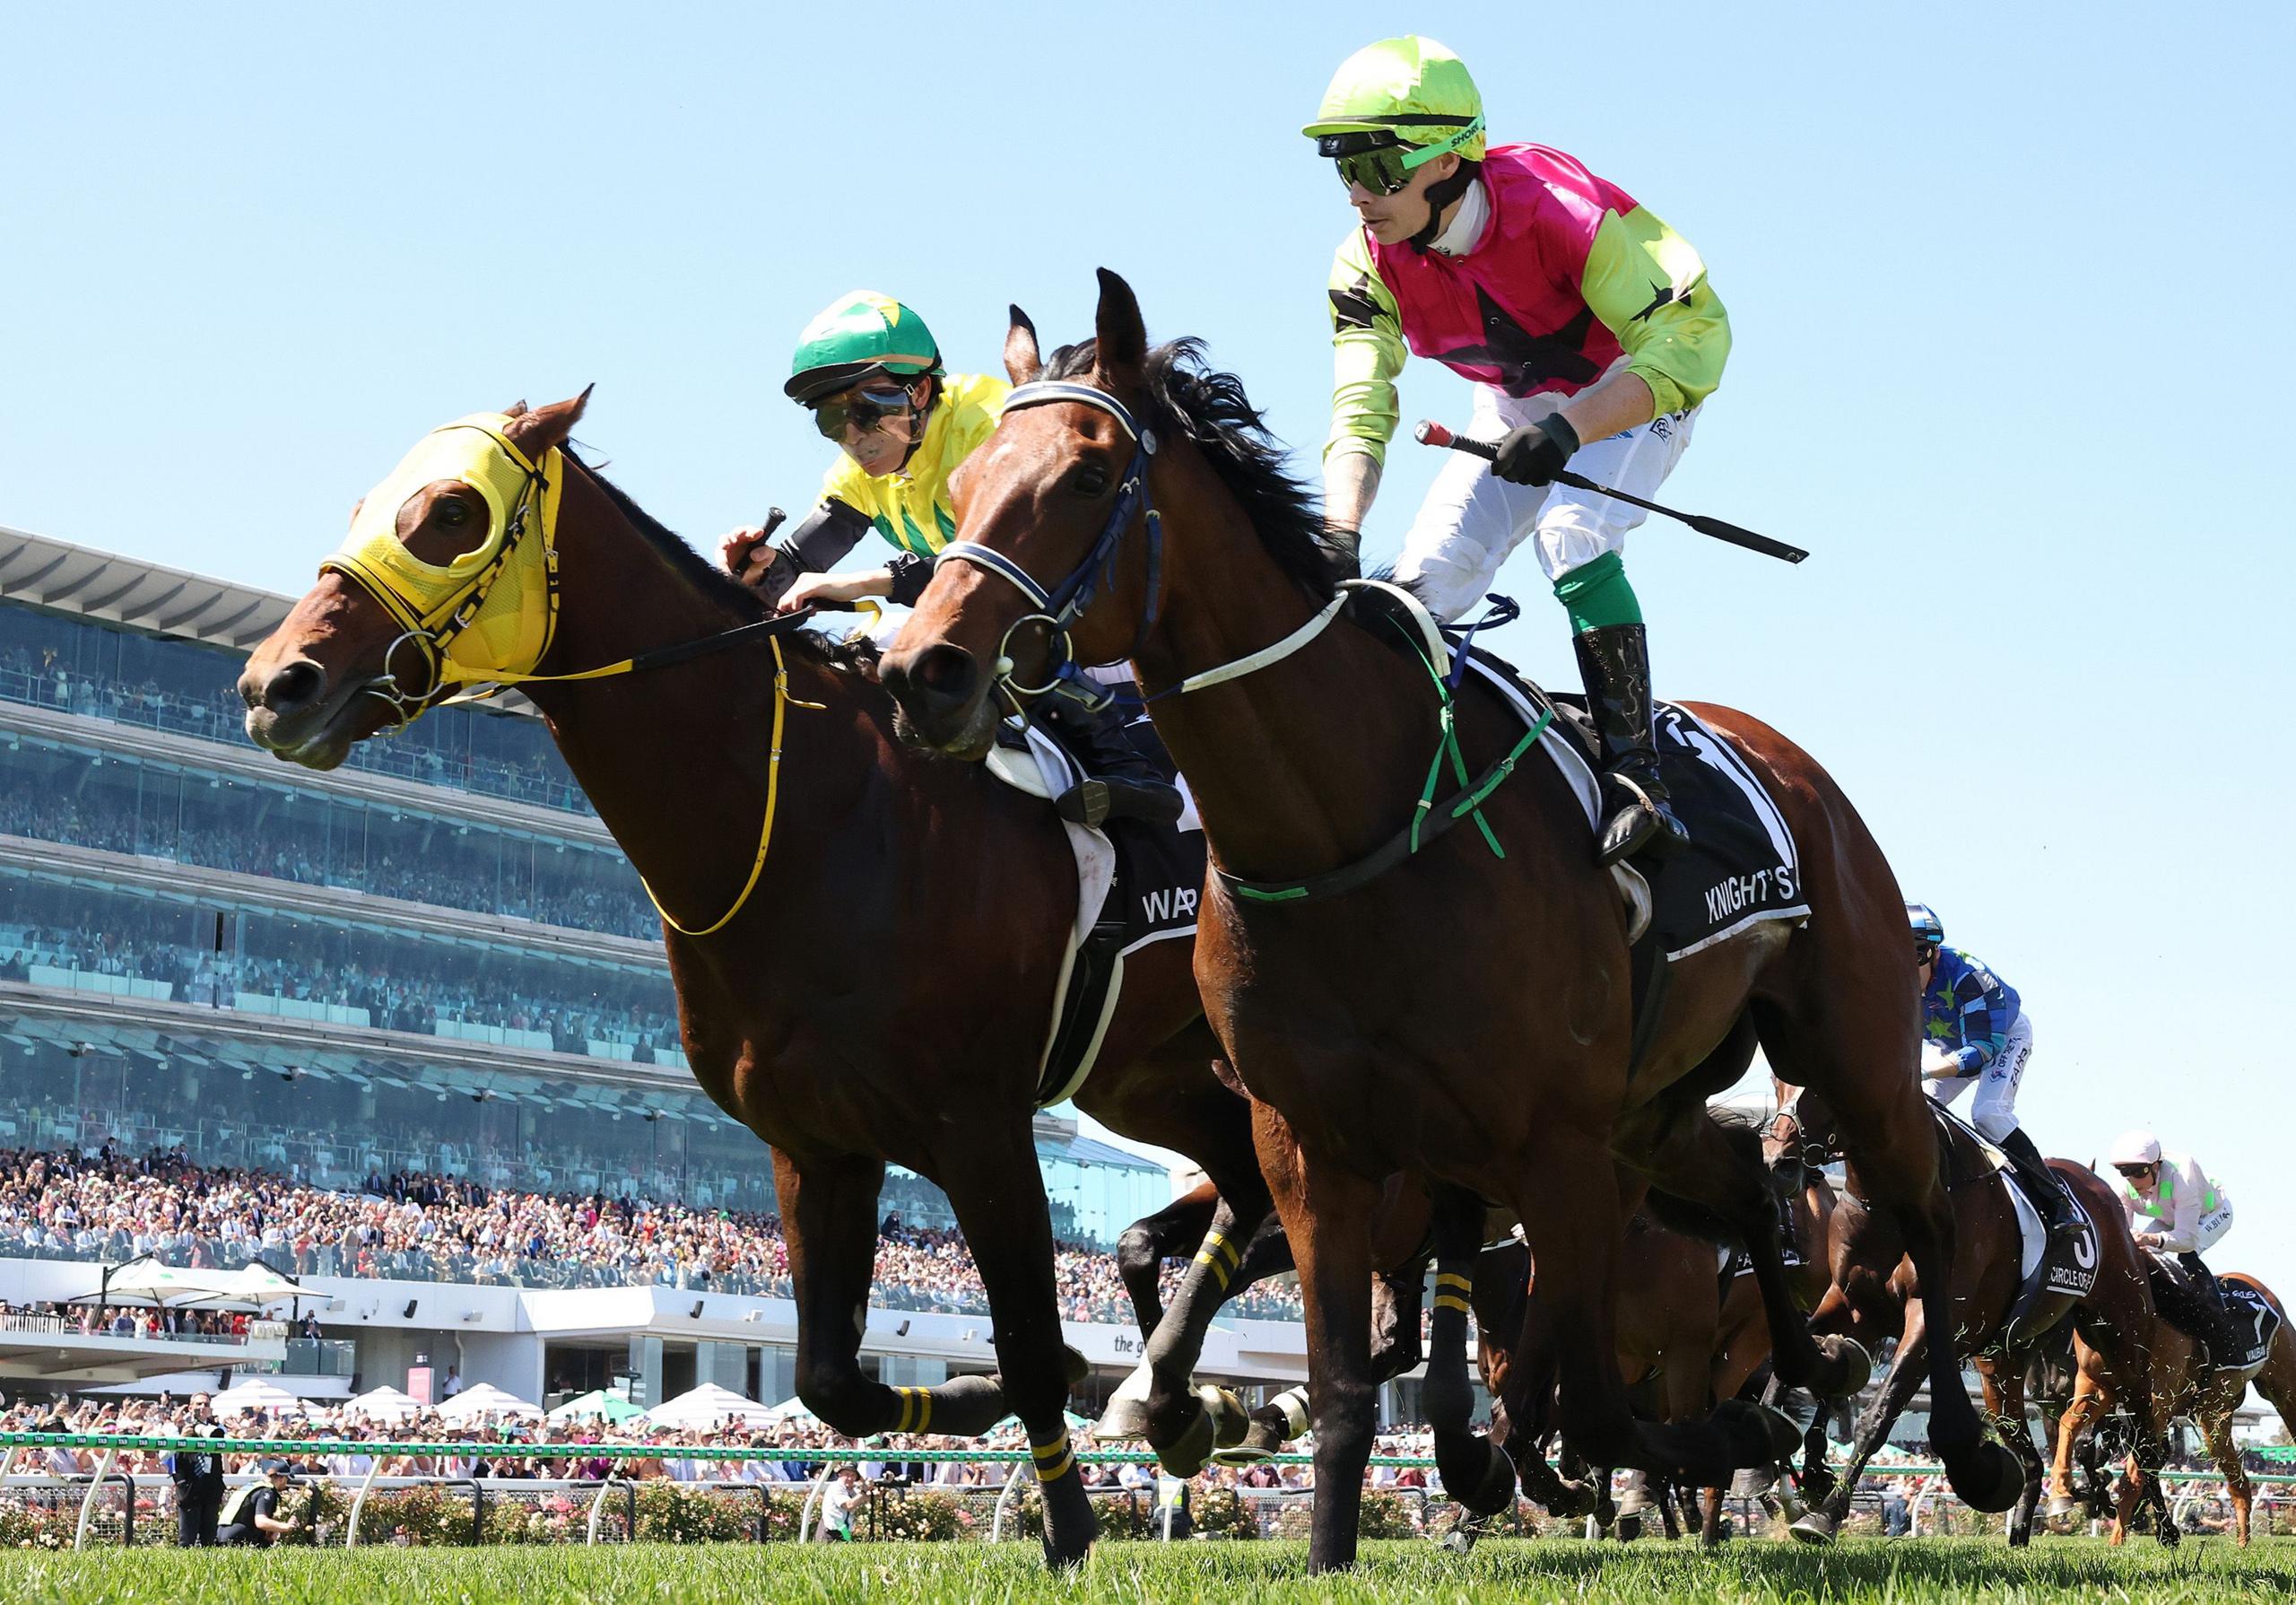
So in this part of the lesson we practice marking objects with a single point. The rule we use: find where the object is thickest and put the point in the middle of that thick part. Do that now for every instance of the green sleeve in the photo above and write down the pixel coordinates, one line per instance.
(1648, 286)
(1367, 354)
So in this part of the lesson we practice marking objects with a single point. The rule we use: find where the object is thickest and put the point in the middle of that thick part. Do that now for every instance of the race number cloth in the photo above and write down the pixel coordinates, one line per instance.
(1741, 868)
(2255, 1319)
(1140, 884)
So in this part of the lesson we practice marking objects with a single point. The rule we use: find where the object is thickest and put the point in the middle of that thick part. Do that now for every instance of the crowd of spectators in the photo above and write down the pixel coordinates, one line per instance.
(216, 714)
(445, 873)
(111, 1206)
(412, 987)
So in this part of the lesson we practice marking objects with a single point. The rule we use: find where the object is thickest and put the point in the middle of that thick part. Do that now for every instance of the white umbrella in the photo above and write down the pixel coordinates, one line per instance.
(384, 1404)
(708, 1405)
(484, 1400)
(257, 1395)
(147, 1281)
(792, 1409)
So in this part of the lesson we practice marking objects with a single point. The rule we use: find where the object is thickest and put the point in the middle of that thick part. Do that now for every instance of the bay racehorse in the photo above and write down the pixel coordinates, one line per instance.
(2172, 1369)
(1876, 1291)
(864, 976)
(1465, 1019)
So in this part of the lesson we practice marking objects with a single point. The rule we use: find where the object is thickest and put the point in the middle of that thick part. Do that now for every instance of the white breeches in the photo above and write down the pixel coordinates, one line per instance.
(1995, 1113)
(1473, 519)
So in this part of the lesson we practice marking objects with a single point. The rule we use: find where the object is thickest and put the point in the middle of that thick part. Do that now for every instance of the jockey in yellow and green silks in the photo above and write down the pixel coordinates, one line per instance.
(870, 371)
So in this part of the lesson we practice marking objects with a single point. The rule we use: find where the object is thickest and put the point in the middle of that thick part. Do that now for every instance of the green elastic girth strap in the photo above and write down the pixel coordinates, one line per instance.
(1596, 595)
(1424, 828)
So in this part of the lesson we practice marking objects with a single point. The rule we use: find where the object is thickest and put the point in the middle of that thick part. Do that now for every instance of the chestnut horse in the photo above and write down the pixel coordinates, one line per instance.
(1876, 1291)
(1465, 1019)
(2175, 1373)
(883, 989)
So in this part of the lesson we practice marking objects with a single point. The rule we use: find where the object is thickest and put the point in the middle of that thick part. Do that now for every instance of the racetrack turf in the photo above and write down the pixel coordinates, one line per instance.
(1901, 1571)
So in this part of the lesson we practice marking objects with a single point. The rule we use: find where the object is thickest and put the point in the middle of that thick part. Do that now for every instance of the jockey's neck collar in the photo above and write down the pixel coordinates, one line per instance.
(1468, 223)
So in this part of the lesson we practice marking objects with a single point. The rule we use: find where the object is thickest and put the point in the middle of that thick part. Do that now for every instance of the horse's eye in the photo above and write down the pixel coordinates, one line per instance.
(450, 512)
(1092, 479)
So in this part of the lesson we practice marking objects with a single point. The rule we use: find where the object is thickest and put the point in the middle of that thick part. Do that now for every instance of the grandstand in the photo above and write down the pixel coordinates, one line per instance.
(432, 963)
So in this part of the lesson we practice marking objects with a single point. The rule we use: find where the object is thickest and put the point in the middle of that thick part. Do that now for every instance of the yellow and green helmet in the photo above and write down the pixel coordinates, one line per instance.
(858, 336)
(1408, 96)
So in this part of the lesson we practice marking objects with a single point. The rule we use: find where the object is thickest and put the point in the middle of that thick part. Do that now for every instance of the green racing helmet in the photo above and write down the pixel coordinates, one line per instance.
(1410, 95)
(855, 337)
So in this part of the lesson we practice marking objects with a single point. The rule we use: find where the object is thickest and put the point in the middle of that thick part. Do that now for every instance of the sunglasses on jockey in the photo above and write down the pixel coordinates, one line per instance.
(863, 410)
(2136, 1171)
(1381, 162)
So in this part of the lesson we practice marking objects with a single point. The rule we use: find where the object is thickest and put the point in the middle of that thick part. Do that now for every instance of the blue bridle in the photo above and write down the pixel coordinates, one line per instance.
(1060, 606)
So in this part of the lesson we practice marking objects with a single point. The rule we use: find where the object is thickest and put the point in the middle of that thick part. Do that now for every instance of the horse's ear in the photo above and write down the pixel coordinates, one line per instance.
(537, 430)
(1122, 339)
(517, 409)
(1021, 361)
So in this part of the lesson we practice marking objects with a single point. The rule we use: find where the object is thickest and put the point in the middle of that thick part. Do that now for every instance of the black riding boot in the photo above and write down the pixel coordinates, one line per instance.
(2227, 1345)
(1614, 661)
(1121, 782)
(2064, 1217)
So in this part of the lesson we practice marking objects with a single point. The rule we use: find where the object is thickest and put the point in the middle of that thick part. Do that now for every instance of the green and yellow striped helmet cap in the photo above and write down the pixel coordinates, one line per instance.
(855, 336)
(1411, 91)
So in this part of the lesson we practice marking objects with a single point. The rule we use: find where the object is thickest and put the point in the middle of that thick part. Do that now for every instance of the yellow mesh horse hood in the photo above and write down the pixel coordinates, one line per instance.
(493, 608)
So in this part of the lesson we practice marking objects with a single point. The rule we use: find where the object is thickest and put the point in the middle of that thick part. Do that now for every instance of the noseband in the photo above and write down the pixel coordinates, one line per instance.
(1060, 606)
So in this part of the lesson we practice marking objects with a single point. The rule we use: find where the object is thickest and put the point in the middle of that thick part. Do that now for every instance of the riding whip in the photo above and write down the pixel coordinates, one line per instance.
(1431, 434)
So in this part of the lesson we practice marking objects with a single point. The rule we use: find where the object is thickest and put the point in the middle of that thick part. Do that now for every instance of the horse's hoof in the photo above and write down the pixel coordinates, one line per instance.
(1127, 1415)
(1857, 1365)
(1776, 1428)
(1990, 1479)
(1076, 1367)
(1816, 1527)
(1231, 1423)
(1628, 1529)
(1185, 1455)
(2169, 1536)
(1459, 1541)
(2061, 1505)
(1575, 1499)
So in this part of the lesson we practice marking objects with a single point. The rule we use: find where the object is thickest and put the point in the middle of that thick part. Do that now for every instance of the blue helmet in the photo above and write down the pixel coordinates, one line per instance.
(1928, 931)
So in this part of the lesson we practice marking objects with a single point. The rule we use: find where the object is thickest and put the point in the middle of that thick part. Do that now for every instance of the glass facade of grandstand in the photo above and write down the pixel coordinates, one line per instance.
(199, 953)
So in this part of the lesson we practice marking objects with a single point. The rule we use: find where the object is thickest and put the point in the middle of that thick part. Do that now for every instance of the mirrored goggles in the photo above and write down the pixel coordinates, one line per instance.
(863, 410)
(1382, 163)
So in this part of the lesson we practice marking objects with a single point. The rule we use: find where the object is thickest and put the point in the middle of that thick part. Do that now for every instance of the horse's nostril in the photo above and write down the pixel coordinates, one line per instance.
(295, 686)
(944, 674)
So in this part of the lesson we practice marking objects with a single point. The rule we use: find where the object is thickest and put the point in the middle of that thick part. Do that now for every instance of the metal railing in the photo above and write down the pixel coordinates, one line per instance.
(628, 1499)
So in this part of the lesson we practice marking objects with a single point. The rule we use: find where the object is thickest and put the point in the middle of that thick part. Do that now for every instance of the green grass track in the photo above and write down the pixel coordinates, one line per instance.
(1264, 1573)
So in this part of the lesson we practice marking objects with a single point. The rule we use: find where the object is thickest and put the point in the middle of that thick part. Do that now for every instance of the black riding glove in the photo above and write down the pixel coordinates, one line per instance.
(1535, 453)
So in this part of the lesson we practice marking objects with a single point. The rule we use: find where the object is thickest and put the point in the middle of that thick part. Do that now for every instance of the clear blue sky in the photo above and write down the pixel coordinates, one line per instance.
(2005, 284)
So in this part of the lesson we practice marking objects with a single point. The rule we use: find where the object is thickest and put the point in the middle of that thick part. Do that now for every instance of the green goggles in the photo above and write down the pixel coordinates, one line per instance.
(862, 411)
(1380, 163)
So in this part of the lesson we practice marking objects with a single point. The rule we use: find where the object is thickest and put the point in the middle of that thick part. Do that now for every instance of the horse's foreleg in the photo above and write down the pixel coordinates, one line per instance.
(1147, 1242)
(829, 1213)
(2089, 1404)
(2005, 1402)
(1904, 1379)
(2216, 1432)
(1475, 1471)
(1327, 1213)
(1180, 1424)
(1000, 1206)
(1576, 1253)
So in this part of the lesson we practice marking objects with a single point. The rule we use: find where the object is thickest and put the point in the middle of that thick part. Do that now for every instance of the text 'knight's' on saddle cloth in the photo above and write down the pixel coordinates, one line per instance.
(1741, 867)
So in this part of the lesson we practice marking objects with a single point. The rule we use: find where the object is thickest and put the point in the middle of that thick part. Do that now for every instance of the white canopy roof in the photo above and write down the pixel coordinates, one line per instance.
(256, 1394)
(708, 1405)
(483, 1399)
(384, 1403)
(148, 1281)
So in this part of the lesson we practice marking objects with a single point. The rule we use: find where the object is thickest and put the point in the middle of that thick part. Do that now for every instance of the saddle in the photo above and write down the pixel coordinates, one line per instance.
(2051, 1271)
(1137, 884)
(2252, 1321)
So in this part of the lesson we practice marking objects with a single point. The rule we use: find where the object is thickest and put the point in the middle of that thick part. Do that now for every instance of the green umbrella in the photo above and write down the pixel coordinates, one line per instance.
(613, 1406)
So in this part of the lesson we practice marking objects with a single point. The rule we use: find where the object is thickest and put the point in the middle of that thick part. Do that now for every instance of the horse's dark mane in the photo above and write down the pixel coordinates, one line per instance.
(1211, 409)
(720, 587)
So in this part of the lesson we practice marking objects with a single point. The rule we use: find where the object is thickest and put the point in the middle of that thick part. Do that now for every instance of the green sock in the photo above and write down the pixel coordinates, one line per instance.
(1596, 595)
